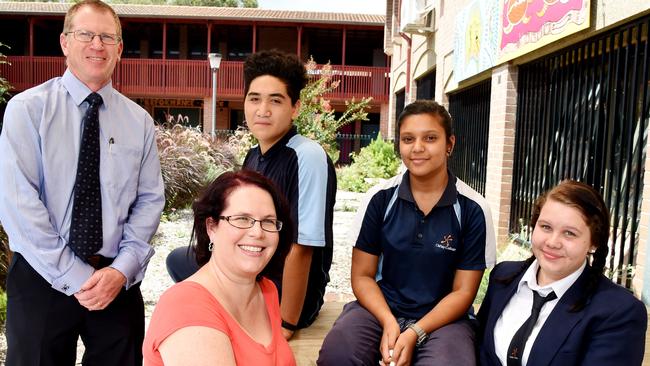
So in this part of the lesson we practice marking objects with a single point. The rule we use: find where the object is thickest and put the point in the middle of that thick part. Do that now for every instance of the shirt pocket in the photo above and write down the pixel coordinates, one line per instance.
(123, 172)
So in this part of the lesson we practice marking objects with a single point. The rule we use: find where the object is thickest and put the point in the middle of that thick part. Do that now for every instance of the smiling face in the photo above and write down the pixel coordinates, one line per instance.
(268, 109)
(423, 145)
(560, 242)
(244, 252)
(92, 63)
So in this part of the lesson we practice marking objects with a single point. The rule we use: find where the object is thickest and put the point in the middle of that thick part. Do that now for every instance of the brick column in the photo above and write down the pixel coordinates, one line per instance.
(501, 146)
(207, 115)
(384, 117)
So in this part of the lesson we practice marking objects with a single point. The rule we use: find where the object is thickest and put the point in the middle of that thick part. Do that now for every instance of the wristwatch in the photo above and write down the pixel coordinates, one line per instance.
(422, 335)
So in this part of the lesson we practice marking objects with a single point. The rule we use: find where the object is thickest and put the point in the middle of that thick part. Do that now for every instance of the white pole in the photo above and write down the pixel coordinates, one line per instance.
(214, 103)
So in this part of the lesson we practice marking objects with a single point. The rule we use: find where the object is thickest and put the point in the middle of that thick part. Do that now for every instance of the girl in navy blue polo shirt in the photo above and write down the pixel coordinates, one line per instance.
(423, 245)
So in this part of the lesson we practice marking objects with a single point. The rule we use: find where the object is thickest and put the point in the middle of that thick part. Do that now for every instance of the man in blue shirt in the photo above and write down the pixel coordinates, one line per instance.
(55, 294)
(301, 170)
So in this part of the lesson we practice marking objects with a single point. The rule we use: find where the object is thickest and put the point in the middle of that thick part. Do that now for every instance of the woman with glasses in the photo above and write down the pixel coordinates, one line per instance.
(227, 313)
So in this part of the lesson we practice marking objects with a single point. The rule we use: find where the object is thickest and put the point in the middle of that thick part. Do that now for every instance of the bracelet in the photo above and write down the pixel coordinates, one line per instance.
(289, 326)
(422, 335)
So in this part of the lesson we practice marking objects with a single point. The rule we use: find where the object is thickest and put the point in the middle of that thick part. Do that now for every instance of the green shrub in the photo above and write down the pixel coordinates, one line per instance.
(482, 289)
(3, 308)
(189, 160)
(5, 87)
(316, 118)
(375, 161)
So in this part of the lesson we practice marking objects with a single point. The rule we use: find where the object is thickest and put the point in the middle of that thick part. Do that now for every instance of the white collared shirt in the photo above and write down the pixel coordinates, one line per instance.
(519, 308)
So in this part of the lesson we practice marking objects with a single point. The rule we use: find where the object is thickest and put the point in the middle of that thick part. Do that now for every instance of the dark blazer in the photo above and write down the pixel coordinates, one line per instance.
(609, 330)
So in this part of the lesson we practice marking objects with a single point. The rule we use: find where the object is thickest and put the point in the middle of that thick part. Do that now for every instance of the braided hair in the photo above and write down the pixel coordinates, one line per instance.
(589, 202)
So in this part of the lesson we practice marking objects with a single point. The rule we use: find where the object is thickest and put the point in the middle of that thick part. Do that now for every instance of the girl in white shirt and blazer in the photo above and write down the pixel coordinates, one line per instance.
(593, 321)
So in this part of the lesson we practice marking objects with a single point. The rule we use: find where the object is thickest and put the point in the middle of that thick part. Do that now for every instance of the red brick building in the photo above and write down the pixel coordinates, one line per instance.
(164, 64)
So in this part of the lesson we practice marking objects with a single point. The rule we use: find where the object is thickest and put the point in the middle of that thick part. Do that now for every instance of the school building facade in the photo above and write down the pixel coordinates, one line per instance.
(165, 68)
(540, 91)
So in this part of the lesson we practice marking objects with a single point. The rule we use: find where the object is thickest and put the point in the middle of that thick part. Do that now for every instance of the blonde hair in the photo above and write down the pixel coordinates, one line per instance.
(97, 5)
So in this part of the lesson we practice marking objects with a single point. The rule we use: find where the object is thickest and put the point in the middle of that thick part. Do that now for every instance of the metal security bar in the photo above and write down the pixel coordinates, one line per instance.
(582, 113)
(470, 111)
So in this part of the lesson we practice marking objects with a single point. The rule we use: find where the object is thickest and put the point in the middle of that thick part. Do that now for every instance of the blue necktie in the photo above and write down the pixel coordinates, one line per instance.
(86, 237)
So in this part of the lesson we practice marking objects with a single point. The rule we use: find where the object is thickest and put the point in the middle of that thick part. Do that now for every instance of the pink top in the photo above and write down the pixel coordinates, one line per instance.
(189, 304)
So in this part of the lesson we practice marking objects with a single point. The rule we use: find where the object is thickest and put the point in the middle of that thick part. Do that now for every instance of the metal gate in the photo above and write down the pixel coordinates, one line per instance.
(582, 113)
(470, 110)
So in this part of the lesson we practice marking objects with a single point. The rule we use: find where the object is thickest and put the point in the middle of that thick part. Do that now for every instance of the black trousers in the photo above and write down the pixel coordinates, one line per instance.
(43, 325)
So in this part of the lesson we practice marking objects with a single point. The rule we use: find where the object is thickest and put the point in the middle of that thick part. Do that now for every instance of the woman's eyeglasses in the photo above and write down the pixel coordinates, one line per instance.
(246, 222)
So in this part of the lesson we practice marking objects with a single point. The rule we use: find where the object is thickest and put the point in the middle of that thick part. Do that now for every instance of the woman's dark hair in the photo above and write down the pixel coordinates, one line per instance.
(212, 202)
(431, 108)
(589, 202)
(284, 66)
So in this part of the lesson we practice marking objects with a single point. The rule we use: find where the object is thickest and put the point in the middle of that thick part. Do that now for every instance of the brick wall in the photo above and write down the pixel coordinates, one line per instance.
(501, 145)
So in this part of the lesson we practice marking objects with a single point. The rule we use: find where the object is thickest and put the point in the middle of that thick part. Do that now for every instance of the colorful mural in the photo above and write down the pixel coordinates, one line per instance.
(530, 24)
(491, 32)
(477, 38)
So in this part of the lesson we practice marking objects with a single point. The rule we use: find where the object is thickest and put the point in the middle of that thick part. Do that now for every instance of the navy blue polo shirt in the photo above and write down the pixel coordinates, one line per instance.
(301, 169)
(421, 253)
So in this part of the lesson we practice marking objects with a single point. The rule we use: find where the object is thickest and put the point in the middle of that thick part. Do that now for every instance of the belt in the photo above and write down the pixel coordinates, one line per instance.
(99, 261)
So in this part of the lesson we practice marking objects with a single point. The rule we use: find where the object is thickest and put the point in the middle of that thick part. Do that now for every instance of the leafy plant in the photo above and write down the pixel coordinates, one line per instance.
(3, 308)
(240, 142)
(375, 161)
(482, 289)
(189, 161)
(5, 87)
(316, 118)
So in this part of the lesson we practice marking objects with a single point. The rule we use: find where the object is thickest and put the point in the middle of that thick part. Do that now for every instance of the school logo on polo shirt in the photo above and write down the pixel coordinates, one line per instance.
(446, 242)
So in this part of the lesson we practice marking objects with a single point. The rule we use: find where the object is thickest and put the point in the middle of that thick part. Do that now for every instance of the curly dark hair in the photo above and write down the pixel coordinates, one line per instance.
(212, 202)
(591, 205)
(284, 66)
(432, 108)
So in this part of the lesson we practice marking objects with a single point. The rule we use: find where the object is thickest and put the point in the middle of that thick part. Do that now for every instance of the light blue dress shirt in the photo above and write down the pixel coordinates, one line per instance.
(39, 148)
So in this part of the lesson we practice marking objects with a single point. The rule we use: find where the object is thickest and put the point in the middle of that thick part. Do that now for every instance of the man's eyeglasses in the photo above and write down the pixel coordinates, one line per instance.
(245, 222)
(88, 36)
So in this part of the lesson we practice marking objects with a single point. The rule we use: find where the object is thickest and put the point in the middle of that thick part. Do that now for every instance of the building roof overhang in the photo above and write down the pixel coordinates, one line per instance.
(130, 11)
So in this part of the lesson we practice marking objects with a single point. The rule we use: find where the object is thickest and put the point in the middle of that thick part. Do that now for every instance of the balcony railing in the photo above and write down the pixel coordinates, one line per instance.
(190, 78)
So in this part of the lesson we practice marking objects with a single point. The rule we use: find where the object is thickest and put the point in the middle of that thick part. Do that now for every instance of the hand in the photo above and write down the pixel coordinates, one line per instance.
(101, 288)
(404, 346)
(388, 338)
(287, 334)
